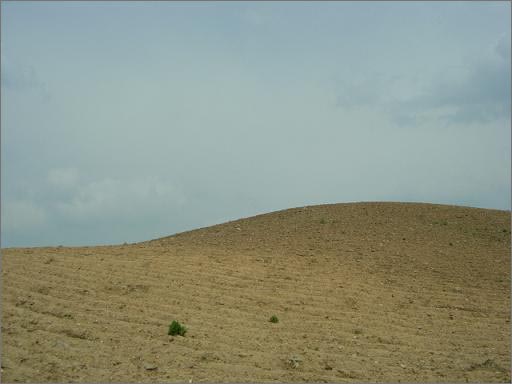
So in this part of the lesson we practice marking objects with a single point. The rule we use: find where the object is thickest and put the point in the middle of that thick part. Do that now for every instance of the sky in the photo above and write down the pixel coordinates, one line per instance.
(129, 121)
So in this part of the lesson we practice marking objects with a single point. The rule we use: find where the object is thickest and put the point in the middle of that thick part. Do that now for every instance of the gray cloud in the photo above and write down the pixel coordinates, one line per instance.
(22, 78)
(71, 204)
(478, 91)
(481, 95)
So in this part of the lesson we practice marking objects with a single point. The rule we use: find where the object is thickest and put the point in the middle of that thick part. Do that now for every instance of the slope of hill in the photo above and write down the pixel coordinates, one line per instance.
(363, 292)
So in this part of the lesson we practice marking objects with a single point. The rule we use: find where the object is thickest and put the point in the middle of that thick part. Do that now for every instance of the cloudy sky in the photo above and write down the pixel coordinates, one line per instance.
(128, 121)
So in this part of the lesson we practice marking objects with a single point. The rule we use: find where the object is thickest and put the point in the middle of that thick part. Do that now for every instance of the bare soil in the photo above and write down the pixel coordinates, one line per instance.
(363, 292)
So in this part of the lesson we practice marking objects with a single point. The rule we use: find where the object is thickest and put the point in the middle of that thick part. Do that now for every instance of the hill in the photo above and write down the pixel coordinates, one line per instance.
(363, 292)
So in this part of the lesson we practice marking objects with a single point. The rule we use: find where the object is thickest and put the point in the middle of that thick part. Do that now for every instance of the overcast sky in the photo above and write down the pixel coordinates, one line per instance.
(128, 121)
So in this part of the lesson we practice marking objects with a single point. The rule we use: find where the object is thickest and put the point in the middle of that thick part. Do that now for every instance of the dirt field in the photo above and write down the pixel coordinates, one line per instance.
(363, 292)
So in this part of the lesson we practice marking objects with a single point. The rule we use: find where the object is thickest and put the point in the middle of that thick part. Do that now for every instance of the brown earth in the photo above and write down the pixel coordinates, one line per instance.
(363, 292)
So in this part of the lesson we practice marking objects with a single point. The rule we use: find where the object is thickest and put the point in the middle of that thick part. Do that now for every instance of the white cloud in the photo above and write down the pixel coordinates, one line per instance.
(21, 215)
(112, 199)
(63, 177)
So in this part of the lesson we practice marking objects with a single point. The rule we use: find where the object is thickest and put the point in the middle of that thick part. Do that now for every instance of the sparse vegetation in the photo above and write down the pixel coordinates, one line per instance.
(322, 221)
(274, 319)
(176, 329)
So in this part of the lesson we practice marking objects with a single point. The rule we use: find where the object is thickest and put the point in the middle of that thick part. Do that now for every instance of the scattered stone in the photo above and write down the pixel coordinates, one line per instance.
(150, 367)
(61, 344)
(294, 361)
(209, 356)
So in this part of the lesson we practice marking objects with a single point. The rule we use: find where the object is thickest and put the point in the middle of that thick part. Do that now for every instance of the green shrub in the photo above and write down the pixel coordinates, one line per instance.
(322, 221)
(274, 319)
(176, 329)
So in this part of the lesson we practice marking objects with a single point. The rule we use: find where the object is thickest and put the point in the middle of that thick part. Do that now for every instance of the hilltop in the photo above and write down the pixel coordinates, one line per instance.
(363, 292)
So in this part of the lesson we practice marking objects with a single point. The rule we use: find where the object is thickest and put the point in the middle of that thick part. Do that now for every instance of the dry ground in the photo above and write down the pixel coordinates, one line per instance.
(363, 292)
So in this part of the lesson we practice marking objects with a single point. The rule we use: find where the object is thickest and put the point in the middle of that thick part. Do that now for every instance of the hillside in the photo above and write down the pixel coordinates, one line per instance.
(363, 292)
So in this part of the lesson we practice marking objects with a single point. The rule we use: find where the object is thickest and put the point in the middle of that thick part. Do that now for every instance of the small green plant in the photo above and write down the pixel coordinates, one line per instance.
(274, 319)
(176, 329)
(322, 221)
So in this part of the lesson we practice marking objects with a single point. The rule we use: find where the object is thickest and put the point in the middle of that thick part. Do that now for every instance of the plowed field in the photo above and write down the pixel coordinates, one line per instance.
(363, 292)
